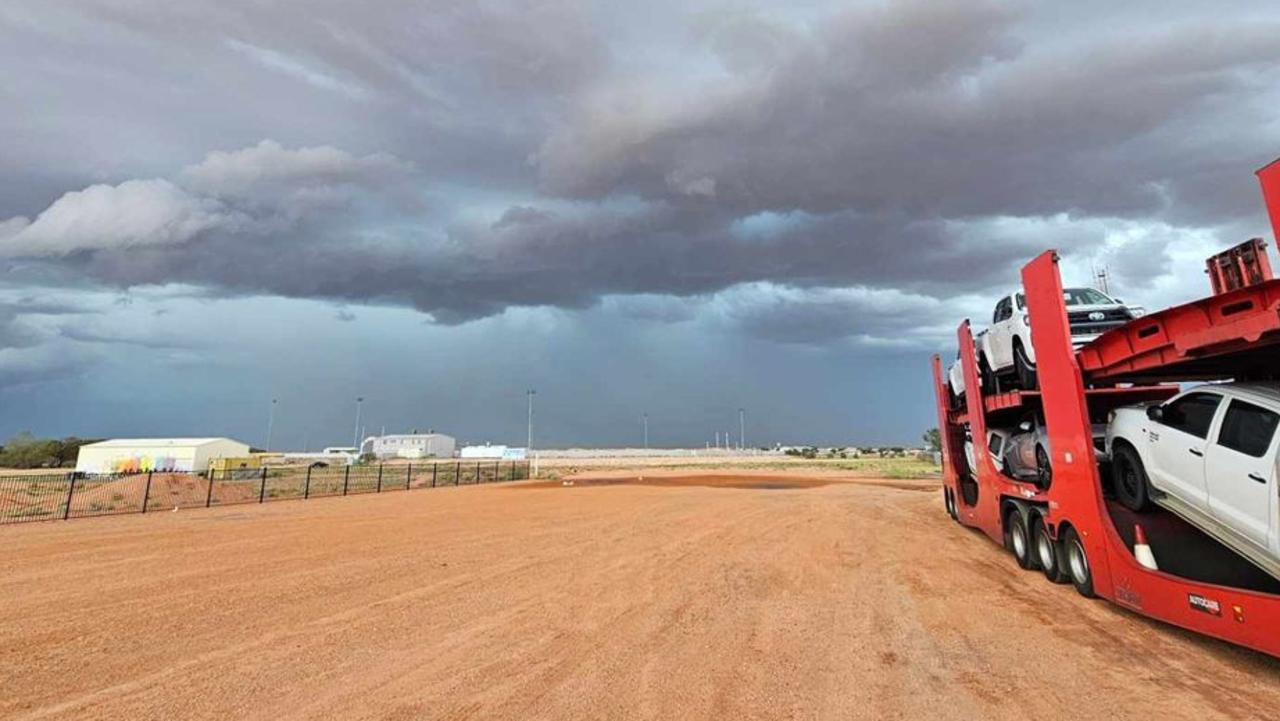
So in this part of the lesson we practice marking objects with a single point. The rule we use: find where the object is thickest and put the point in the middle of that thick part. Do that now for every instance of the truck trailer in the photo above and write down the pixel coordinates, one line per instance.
(1072, 531)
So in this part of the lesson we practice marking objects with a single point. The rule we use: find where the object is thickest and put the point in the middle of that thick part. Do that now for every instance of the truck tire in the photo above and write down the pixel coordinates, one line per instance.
(1020, 541)
(1129, 479)
(1044, 471)
(1077, 559)
(1025, 370)
(988, 378)
(1048, 551)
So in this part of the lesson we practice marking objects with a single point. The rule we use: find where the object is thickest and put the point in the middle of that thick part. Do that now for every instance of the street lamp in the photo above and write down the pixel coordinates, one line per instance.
(271, 421)
(355, 439)
(529, 441)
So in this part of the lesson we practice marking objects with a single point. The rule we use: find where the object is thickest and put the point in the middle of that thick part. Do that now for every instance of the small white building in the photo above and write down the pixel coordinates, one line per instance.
(135, 455)
(409, 445)
(506, 453)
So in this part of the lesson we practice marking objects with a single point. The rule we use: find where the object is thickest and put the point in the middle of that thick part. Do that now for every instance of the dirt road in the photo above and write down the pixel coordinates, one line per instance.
(713, 598)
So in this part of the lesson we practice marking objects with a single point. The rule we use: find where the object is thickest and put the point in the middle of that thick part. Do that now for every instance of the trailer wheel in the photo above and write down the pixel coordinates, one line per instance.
(1020, 541)
(1044, 471)
(1129, 479)
(1025, 370)
(1078, 563)
(1048, 552)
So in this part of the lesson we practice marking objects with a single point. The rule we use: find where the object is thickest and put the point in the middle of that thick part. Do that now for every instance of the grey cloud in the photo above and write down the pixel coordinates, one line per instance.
(820, 316)
(462, 158)
(943, 111)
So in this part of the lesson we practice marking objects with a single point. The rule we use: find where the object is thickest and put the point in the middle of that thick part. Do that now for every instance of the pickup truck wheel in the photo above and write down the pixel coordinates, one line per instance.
(1025, 370)
(1044, 471)
(987, 377)
(1130, 479)
(1048, 552)
(1078, 563)
(1020, 541)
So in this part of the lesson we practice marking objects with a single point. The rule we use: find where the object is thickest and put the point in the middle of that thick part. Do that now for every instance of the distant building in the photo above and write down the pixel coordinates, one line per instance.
(505, 453)
(139, 455)
(409, 445)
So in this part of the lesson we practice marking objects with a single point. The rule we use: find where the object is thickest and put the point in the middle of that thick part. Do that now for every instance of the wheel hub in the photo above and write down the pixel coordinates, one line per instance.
(1079, 565)
(1045, 548)
(1019, 543)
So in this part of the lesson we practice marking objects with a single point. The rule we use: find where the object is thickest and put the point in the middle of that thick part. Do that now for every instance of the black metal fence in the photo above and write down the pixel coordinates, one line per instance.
(62, 496)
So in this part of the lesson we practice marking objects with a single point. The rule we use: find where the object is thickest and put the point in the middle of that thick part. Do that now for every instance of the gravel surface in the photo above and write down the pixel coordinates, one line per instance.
(690, 597)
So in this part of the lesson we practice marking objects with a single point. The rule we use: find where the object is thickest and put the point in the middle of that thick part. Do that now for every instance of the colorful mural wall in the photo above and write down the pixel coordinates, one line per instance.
(146, 464)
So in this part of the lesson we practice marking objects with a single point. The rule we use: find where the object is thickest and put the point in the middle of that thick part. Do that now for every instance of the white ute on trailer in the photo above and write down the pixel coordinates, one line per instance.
(1005, 349)
(1209, 456)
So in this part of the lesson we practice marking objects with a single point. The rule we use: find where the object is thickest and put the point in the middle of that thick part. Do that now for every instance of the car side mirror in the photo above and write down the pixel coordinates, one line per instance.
(1155, 413)
(1117, 300)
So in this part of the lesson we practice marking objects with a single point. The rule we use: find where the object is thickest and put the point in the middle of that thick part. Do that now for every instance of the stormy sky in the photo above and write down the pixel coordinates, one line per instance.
(670, 208)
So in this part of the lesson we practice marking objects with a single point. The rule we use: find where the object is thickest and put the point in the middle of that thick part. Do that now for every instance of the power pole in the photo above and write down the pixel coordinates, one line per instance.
(529, 441)
(355, 440)
(646, 431)
(742, 429)
(271, 421)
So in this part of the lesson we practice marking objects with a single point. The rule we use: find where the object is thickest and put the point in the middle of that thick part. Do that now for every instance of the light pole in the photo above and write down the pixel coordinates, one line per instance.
(529, 441)
(742, 429)
(645, 417)
(271, 422)
(355, 440)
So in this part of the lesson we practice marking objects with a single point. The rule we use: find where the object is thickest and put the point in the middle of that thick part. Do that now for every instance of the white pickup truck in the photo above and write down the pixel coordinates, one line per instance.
(1005, 351)
(1209, 456)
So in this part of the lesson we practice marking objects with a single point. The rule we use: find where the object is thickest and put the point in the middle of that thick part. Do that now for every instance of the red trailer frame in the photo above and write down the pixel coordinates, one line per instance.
(1232, 333)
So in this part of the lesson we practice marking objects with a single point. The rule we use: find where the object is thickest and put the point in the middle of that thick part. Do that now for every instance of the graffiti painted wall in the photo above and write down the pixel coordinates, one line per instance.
(146, 464)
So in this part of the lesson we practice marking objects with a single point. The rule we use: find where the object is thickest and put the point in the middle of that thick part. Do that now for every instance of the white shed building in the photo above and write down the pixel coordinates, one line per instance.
(506, 453)
(410, 445)
(133, 455)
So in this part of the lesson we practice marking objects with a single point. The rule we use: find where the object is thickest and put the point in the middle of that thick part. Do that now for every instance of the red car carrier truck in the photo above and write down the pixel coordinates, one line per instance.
(1072, 531)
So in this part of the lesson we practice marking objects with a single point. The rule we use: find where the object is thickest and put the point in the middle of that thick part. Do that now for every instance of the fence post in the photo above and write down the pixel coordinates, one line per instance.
(262, 490)
(408, 476)
(70, 490)
(457, 474)
(306, 490)
(346, 479)
(208, 500)
(497, 467)
(434, 467)
(477, 472)
(146, 493)
(379, 478)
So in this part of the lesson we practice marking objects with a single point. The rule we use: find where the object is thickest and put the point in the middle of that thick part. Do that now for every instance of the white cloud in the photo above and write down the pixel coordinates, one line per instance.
(269, 167)
(133, 213)
(295, 68)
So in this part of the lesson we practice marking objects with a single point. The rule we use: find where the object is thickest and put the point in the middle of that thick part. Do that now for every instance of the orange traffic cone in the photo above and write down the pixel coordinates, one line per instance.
(1142, 551)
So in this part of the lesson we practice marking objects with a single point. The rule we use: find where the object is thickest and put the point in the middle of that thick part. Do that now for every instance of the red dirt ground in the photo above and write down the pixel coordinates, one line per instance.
(750, 596)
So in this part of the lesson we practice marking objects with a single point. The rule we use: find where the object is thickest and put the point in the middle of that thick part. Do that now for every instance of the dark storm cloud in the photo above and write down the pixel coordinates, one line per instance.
(463, 158)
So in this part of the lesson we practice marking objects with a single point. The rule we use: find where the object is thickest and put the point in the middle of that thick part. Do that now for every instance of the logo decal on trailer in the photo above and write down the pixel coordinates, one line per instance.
(1204, 605)
(1126, 595)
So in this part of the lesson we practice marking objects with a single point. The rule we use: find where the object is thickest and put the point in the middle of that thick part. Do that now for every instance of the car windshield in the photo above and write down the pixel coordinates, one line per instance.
(1085, 296)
